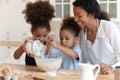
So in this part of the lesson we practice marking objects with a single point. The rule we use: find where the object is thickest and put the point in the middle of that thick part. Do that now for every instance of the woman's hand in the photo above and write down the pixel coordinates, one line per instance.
(106, 69)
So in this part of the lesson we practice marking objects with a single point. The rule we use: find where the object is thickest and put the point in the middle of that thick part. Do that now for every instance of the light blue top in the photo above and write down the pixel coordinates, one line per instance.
(69, 63)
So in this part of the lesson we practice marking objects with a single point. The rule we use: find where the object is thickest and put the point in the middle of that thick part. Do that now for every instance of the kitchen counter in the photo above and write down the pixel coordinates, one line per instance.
(28, 72)
(10, 43)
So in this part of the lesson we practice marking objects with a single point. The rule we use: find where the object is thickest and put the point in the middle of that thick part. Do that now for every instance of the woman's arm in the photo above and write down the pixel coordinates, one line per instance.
(114, 35)
(115, 42)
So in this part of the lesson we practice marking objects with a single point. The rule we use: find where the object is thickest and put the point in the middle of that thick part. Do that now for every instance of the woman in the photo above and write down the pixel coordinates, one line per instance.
(99, 39)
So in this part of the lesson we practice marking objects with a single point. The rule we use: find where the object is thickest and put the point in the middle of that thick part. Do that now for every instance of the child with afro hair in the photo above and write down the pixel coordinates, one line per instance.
(39, 15)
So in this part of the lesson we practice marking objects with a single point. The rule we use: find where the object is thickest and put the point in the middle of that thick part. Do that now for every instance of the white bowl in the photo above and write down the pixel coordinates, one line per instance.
(51, 62)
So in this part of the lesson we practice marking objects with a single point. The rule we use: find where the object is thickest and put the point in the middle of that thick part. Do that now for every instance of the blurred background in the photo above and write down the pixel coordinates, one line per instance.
(14, 29)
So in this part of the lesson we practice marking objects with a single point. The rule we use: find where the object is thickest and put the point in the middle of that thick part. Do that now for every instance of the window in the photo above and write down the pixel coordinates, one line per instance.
(65, 8)
(62, 8)
(110, 6)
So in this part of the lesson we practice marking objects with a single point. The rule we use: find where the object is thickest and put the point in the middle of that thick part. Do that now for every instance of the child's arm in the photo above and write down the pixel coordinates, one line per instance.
(48, 48)
(69, 52)
(20, 50)
(18, 53)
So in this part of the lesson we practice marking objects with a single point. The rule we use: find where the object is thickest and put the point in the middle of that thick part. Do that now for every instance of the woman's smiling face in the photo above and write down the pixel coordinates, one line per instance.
(81, 16)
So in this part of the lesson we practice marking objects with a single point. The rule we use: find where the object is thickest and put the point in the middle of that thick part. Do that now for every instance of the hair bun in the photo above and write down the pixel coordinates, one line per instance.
(38, 11)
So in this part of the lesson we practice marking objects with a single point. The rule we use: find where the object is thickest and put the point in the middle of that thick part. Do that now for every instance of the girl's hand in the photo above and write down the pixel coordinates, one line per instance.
(52, 41)
(30, 55)
(55, 44)
(106, 69)
(23, 46)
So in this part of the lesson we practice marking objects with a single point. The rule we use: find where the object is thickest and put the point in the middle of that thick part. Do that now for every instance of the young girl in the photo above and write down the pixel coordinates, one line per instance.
(67, 48)
(38, 14)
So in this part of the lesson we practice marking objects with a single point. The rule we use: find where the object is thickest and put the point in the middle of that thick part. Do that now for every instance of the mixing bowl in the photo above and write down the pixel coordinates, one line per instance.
(48, 61)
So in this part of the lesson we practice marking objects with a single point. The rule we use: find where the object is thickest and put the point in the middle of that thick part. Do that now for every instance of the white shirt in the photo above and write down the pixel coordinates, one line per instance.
(106, 46)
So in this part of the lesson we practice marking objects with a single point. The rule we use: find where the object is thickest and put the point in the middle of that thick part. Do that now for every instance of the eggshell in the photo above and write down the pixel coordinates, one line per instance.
(5, 72)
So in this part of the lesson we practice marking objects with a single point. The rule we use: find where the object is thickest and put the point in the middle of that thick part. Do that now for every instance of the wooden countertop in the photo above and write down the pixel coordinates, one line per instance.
(10, 43)
(28, 72)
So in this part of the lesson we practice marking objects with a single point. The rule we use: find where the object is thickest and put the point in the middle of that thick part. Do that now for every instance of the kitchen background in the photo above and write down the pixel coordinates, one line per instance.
(13, 27)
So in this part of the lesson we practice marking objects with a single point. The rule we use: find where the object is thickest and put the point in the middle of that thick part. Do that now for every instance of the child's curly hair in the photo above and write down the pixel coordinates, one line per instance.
(69, 24)
(39, 14)
(38, 11)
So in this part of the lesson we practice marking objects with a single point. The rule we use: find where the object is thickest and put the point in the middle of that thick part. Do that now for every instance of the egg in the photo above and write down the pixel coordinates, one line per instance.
(5, 72)
(14, 71)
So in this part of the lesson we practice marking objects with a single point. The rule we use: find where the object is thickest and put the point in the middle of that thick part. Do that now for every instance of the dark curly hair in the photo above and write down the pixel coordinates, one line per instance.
(104, 15)
(39, 13)
(69, 24)
(90, 6)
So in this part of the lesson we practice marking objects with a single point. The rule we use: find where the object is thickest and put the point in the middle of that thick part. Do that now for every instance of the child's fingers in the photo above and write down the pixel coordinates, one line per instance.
(52, 37)
(30, 55)
(26, 41)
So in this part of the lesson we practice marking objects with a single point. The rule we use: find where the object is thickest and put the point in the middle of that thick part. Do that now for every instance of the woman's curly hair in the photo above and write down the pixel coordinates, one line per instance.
(69, 24)
(104, 15)
(39, 11)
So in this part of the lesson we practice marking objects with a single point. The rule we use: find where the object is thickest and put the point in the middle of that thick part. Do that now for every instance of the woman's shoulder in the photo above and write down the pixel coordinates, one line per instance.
(108, 26)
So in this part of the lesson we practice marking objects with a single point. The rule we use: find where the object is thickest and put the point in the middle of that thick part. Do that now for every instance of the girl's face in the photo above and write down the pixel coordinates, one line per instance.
(41, 34)
(81, 17)
(67, 39)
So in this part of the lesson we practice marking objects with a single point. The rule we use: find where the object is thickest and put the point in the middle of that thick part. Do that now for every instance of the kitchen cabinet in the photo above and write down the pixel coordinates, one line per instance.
(7, 49)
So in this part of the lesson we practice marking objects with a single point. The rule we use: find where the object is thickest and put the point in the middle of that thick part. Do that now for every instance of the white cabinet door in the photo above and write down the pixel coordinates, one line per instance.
(6, 55)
